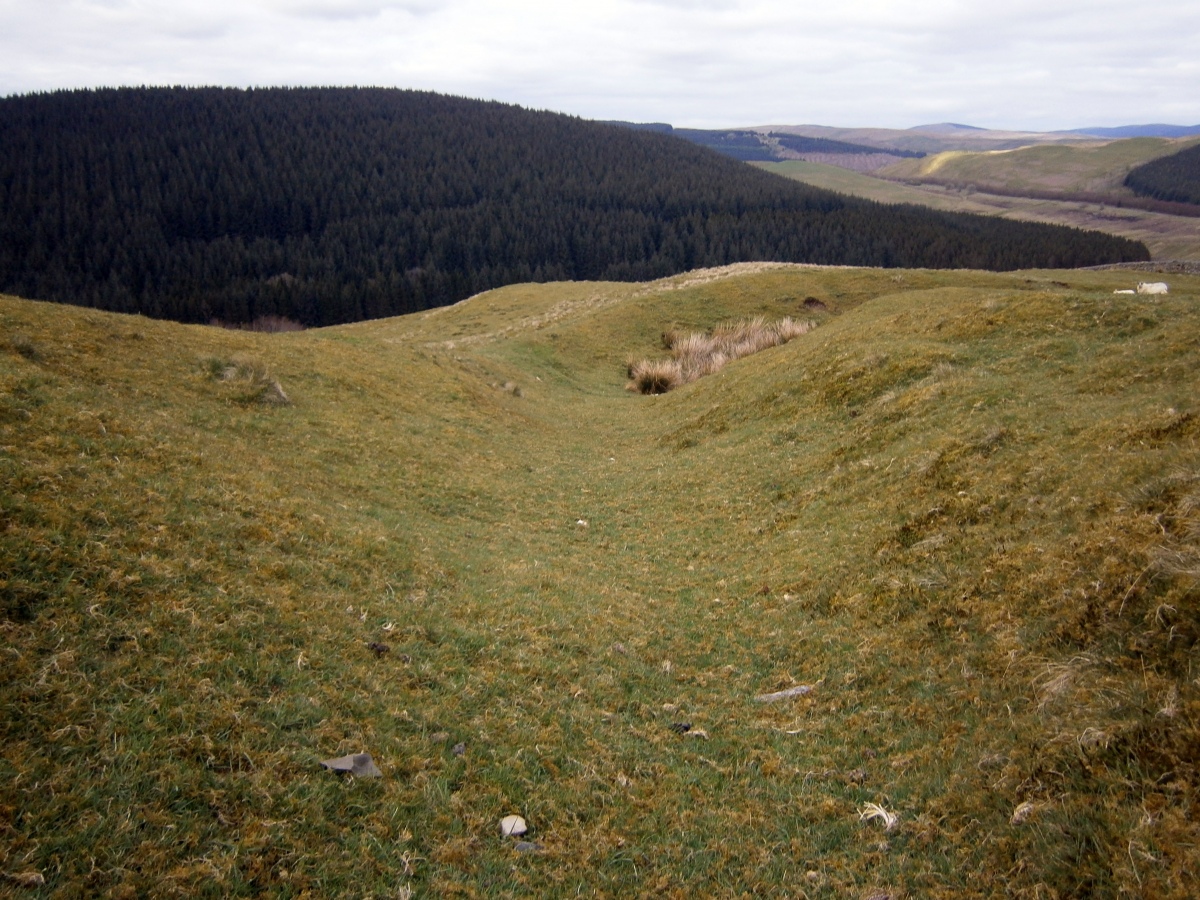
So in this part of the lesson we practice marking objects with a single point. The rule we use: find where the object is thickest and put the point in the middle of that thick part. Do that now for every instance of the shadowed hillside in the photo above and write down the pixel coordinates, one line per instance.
(962, 511)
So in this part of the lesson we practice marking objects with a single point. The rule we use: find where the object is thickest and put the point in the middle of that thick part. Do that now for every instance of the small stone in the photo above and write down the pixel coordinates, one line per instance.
(528, 847)
(359, 765)
(459, 749)
(681, 727)
(511, 826)
(798, 691)
(378, 648)
(1023, 812)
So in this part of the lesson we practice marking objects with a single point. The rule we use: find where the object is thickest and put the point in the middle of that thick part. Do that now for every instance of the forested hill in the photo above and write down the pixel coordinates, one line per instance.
(1175, 178)
(333, 205)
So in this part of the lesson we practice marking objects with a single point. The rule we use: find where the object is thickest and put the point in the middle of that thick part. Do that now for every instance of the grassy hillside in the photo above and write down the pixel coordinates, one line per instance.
(1048, 168)
(964, 509)
(1167, 236)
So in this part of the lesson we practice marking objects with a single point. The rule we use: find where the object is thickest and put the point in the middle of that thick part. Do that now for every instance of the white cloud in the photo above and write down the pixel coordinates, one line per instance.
(1022, 64)
(349, 9)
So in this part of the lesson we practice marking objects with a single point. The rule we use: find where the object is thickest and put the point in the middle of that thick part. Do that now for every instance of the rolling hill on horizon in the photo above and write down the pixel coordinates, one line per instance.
(948, 136)
(1131, 131)
(335, 205)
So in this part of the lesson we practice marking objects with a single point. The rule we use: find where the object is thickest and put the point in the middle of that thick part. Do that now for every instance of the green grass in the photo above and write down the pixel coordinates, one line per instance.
(952, 507)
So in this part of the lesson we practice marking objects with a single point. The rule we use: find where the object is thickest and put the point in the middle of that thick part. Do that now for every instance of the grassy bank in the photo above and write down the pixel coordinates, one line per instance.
(963, 508)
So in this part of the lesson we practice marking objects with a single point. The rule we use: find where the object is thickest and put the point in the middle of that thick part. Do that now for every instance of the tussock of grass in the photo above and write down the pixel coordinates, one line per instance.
(654, 376)
(22, 345)
(695, 355)
(249, 378)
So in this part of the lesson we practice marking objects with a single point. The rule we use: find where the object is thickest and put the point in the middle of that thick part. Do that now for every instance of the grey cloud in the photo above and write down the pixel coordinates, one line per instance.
(1022, 64)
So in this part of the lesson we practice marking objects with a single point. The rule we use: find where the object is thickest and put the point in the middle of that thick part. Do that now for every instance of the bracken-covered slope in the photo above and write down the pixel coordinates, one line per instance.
(964, 509)
(335, 205)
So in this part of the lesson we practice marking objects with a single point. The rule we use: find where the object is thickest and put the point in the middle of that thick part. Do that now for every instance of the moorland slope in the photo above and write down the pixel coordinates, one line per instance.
(1093, 171)
(1082, 186)
(963, 510)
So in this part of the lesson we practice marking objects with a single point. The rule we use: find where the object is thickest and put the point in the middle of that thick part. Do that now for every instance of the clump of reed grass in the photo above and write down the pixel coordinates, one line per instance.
(250, 378)
(23, 345)
(263, 325)
(654, 376)
(696, 354)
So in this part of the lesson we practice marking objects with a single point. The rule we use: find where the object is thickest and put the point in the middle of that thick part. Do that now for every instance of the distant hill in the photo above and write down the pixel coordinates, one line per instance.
(749, 145)
(940, 137)
(335, 205)
(1174, 178)
(1131, 131)
(802, 144)
(931, 138)
(746, 146)
(947, 128)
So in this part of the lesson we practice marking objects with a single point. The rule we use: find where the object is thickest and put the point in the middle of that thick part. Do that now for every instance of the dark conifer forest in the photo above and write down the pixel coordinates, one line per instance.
(335, 205)
(1174, 178)
(744, 145)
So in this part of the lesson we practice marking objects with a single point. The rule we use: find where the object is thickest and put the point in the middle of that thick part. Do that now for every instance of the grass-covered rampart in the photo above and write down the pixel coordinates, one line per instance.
(964, 509)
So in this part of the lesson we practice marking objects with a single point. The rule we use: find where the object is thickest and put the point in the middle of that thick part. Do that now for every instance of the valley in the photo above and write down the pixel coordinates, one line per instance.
(961, 511)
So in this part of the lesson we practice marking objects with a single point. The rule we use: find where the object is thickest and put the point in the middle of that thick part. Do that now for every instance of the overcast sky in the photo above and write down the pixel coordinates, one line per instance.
(1013, 64)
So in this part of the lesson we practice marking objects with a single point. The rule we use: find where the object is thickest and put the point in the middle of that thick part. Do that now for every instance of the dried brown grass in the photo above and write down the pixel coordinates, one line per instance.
(249, 378)
(654, 376)
(696, 354)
